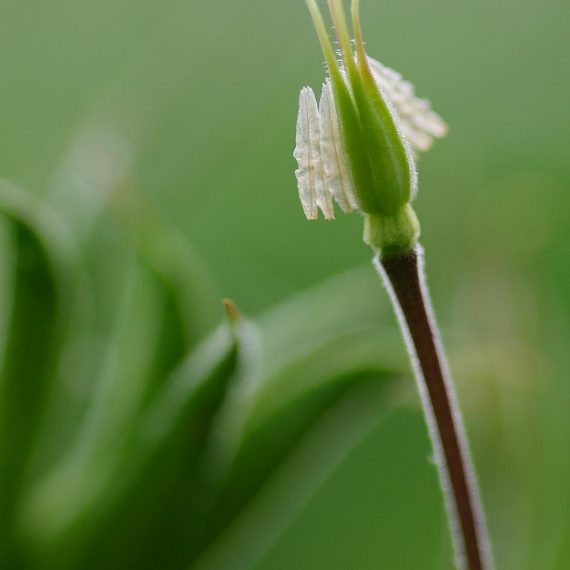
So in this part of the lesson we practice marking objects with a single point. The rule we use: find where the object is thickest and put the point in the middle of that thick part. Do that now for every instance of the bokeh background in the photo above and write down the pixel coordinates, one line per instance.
(193, 105)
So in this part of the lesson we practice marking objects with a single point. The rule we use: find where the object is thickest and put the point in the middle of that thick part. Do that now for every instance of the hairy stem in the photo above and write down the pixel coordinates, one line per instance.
(404, 278)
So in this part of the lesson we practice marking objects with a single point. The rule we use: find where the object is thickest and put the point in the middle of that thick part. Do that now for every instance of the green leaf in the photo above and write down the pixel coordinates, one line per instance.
(111, 526)
(165, 308)
(186, 281)
(290, 486)
(134, 327)
(304, 377)
(125, 362)
(175, 525)
(37, 298)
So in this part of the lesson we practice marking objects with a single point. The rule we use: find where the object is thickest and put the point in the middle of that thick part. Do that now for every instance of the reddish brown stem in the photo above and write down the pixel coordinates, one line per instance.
(403, 275)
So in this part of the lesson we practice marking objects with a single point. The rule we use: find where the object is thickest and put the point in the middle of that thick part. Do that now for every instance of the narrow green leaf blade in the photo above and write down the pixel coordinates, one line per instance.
(40, 261)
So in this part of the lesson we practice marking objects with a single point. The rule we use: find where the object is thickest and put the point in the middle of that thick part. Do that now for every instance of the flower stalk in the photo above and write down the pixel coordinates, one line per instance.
(404, 277)
(359, 147)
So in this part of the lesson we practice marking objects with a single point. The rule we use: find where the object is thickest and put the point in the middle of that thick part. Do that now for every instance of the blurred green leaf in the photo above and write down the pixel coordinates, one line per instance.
(191, 295)
(316, 365)
(38, 296)
(163, 312)
(159, 460)
(290, 485)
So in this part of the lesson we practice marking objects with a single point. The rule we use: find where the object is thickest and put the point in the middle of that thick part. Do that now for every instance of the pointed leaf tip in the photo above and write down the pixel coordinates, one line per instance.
(232, 312)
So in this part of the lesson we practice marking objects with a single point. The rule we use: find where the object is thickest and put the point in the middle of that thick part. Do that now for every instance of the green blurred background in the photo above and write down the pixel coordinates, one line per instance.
(194, 103)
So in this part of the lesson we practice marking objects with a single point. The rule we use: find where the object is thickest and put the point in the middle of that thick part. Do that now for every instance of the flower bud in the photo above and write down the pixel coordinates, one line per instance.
(358, 145)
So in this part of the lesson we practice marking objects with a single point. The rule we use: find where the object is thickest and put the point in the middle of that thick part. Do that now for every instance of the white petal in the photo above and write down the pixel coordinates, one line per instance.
(335, 162)
(310, 174)
(420, 124)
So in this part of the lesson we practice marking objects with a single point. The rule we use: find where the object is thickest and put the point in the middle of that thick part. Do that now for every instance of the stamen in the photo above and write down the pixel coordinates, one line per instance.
(310, 174)
(337, 173)
(419, 123)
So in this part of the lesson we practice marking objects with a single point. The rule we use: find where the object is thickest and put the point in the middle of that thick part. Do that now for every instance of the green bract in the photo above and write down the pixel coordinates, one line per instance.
(380, 125)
